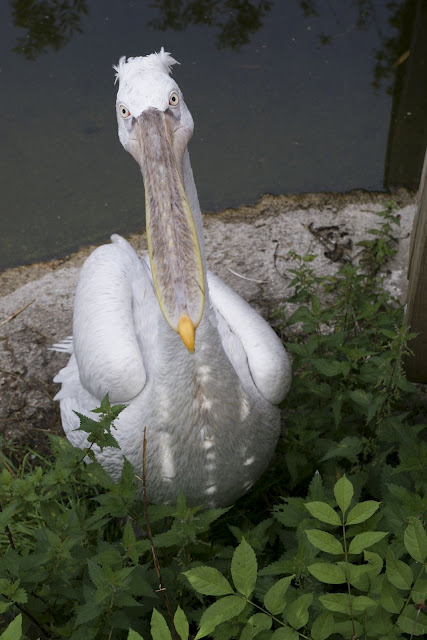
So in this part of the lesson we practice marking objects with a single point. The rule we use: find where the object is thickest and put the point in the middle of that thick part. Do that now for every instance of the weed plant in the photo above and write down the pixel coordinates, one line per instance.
(330, 543)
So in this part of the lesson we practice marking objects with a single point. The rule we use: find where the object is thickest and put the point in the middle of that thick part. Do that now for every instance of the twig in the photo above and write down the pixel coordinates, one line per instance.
(29, 616)
(16, 313)
(44, 431)
(8, 467)
(45, 387)
(8, 531)
(275, 256)
(86, 452)
(43, 335)
(161, 588)
(348, 581)
(419, 607)
(239, 275)
(9, 535)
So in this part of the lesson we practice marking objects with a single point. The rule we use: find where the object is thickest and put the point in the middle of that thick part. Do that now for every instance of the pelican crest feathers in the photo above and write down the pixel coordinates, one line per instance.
(161, 61)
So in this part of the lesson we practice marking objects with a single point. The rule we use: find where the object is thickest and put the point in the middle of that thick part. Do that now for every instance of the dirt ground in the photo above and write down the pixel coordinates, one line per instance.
(249, 248)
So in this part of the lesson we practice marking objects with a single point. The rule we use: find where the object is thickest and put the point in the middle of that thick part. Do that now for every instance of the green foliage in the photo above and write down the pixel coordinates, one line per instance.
(14, 630)
(370, 589)
(331, 543)
(99, 431)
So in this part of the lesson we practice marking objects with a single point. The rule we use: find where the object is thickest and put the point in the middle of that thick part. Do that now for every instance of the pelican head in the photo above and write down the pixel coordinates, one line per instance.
(155, 126)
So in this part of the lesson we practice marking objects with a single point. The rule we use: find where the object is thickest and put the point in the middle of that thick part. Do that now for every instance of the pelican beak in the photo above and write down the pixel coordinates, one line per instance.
(158, 145)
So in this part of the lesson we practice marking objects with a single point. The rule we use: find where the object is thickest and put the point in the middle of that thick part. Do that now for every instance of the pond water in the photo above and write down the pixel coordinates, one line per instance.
(287, 97)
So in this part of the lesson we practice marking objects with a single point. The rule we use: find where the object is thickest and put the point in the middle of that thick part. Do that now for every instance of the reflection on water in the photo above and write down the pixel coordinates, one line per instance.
(407, 137)
(234, 21)
(295, 96)
(395, 51)
(401, 68)
(53, 23)
(48, 24)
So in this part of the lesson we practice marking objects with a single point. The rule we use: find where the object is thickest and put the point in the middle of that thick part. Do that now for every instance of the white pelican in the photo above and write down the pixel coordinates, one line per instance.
(193, 362)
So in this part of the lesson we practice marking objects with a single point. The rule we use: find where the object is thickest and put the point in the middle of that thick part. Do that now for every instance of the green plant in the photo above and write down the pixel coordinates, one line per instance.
(349, 341)
(377, 599)
(330, 543)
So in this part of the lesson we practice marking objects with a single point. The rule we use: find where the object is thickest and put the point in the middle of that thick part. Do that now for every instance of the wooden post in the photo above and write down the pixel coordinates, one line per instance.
(416, 310)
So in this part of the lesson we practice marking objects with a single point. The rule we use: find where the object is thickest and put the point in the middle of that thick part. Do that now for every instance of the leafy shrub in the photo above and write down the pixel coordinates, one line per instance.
(329, 544)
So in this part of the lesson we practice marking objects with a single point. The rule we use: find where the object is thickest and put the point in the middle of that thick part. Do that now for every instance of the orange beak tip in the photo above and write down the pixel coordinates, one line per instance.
(187, 332)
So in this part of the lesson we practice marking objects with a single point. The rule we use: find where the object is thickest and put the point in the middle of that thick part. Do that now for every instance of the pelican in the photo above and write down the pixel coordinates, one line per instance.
(194, 364)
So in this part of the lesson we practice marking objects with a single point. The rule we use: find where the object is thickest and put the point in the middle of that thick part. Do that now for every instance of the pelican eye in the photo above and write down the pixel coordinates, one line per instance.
(174, 99)
(124, 111)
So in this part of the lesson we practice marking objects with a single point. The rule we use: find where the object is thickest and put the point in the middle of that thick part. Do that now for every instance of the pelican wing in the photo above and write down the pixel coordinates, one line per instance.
(268, 362)
(112, 282)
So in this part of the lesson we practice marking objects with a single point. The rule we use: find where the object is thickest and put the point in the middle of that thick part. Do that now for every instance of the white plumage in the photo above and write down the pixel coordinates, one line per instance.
(196, 365)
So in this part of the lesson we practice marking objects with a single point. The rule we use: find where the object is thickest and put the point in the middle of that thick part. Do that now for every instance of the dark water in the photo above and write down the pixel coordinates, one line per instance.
(287, 96)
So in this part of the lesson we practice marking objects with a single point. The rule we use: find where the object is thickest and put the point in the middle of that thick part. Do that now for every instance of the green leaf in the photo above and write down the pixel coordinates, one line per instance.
(256, 623)
(277, 568)
(133, 635)
(261, 621)
(328, 573)
(390, 599)
(323, 626)
(204, 519)
(20, 595)
(336, 406)
(220, 611)
(357, 574)
(361, 603)
(6, 514)
(129, 538)
(349, 448)
(87, 612)
(381, 623)
(100, 432)
(4, 606)
(316, 489)
(397, 572)
(322, 511)
(419, 591)
(181, 623)
(363, 399)
(274, 599)
(330, 368)
(364, 540)
(285, 633)
(415, 540)
(14, 630)
(139, 585)
(375, 562)
(109, 556)
(157, 512)
(96, 574)
(346, 629)
(159, 627)
(297, 611)
(343, 491)
(338, 602)
(324, 541)
(412, 621)
(208, 581)
(244, 568)
(291, 513)
(362, 512)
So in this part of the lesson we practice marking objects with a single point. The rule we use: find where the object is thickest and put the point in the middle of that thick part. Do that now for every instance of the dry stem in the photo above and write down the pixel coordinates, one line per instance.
(17, 313)
(162, 588)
